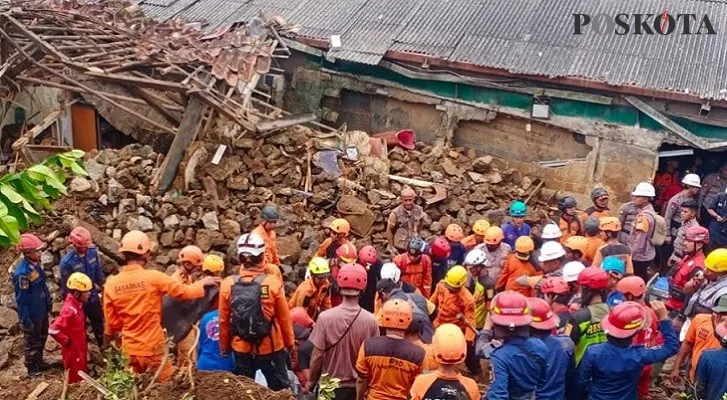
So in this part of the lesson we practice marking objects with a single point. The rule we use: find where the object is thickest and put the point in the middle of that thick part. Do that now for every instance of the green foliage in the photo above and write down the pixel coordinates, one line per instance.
(24, 193)
(118, 377)
(326, 386)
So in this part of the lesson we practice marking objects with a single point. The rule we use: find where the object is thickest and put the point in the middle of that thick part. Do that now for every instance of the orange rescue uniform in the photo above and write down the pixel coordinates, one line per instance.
(594, 243)
(275, 308)
(574, 227)
(515, 268)
(390, 365)
(430, 363)
(323, 249)
(471, 241)
(313, 299)
(455, 308)
(271, 245)
(418, 274)
(133, 307)
(437, 385)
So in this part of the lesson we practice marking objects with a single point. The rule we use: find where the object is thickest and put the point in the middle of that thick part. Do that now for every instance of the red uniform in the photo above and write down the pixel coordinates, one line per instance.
(648, 337)
(69, 330)
(684, 271)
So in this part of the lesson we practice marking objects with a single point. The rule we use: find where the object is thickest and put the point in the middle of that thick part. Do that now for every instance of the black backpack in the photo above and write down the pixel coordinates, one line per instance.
(248, 320)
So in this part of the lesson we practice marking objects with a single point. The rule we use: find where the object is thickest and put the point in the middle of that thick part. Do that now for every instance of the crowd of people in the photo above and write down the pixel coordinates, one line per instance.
(584, 310)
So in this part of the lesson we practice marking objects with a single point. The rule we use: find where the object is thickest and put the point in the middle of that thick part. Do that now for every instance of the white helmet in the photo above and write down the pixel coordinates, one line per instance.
(390, 271)
(644, 189)
(250, 243)
(571, 270)
(551, 251)
(475, 257)
(551, 231)
(692, 180)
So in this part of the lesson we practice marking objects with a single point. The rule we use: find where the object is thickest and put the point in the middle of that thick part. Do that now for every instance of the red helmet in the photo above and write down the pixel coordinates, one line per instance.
(80, 237)
(367, 255)
(624, 320)
(347, 252)
(28, 241)
(543, 317)
(441, 247)
(299, 316)
(352, 276)
(697, 234)
(510, 309)
(593, 278)
(632, 285)
(554, 285)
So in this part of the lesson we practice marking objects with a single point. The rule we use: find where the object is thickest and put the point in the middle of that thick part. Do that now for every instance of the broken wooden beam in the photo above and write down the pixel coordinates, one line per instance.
(285, 122)
(191, 121)
(140, 82)
(155, 103)
(35, 38)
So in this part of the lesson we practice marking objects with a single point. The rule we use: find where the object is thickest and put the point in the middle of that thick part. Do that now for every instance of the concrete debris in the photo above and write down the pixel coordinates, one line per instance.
(8, 318)
(79, 185)
(210, 221)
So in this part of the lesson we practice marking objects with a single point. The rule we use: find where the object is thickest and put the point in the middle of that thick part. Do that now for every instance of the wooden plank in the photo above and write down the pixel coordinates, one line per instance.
(285, 122)
(155, 103)
(140, 82)
(36, 39)
(76, 89)
(37, 391)
(187, 131)
(45, 123)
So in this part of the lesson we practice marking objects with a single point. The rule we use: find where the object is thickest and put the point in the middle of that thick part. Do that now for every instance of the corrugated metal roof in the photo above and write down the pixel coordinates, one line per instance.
(532, 37)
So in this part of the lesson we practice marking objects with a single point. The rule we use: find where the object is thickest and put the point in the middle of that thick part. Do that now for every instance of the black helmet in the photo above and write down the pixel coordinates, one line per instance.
(598, 192)
(269, 213)
(567, 202)
(592, 226)
(417, 244)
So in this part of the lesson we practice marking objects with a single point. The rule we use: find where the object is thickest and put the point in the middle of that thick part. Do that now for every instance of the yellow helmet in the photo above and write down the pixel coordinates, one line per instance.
(716, 261)
(319, 266)
(79, 281)
(213, 263)
(456, 277)
(480, 227)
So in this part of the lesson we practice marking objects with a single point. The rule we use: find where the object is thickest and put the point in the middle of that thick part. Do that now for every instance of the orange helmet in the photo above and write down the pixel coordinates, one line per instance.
(543, 317)
(494, 235)
(454, 233)
(524, 244)
(579, 243)
(340, 225)
(609, 224)
(192, 255)
(449, 344)
(395, 314)
(480, 227)
(347, 253)
(510, 309)
(135, 242)
(632, 285)
(80, 237)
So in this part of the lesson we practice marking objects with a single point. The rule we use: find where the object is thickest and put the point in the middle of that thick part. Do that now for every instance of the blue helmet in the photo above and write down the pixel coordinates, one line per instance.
(518, 209)
(614, 264)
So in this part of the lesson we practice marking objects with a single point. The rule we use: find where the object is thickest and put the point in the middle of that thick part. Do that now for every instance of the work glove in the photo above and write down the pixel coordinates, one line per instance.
(27, 327)
(485, 345)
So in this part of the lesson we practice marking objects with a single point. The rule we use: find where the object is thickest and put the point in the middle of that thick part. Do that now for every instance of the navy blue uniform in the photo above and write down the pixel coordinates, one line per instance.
(34, 305)
(610, 372)
(512, 233)
(711, 384)
(89, 264)
(519, 368)
(561, 367)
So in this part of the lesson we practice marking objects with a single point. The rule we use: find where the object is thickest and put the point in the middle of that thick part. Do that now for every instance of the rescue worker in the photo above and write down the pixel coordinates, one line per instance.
(479, 229)
(519, 362)
(626, 213)
(576, 248)
(584, 328)
(556, 292)
(133, 305)
(561, 351)
(518, 265)
(552, 257)
(570, 273)
(718, 221)
(496, 251)
(475, 262)
(345, 254)
(34, 303)
(340, 229)
(609, 371)
(457, 306)
(405, 223)
(592, 232)
(421, 327)
(83, 257)
(387, 365)
(672, 213)
(686, 269)
(688, 213)
(314, 294)
(454, 235)
(258, 329)
(570, 219)
(666, 178)
(301, 355)
(517, 227)
(551, 233)
(209, 357)
(69, 329)
(712, 185)
(599, 209)
(340, 332)
(268, 221)
(616, 270)
(643, 251)
(439, 251)
(712, 365)
(450, 348)
(369, 258)
(709, 286)
(416, 267)
(611, 226)
(189, 261)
